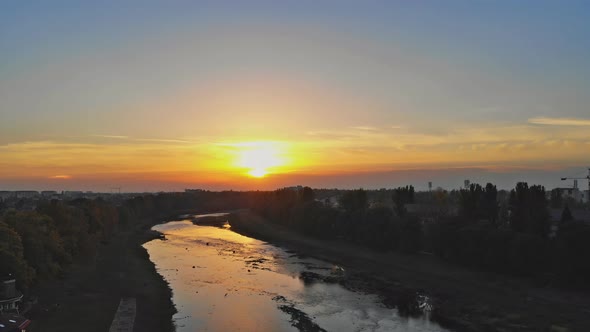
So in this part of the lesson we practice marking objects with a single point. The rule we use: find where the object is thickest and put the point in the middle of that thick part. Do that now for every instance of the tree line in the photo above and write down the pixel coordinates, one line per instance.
(41, 244)
(479, 227)
(510, 235)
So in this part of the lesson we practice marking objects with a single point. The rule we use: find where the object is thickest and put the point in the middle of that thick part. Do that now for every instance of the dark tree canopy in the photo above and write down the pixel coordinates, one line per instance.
(402, 196)
(566, 215)
(556, 198)
(528, 207)
(354, 200)
(477, 202)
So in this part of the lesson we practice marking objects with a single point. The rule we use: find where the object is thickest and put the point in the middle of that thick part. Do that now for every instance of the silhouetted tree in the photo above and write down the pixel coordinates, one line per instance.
(72, 226)
(307, 194)
(354, 200)
(42, 245)
(411, 235)
(477, 202)
(528, 207)
(470, 201)
(571, 255)
(402, 196)
(518, 207)
(12, 259)
(489, 204)
(538, 222)
(566, 215)
(556, 198)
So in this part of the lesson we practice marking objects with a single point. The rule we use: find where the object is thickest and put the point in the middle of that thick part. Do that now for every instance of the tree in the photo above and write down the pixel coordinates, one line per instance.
(556, 198)
(479, 203)
(42, 245)
(402, 196)
(72, 226)
(571, 254)
(528, 207)
(354, 200)
(12, 259)
(538, 222)
(566, 215)
(378, 229)
(442, 202)
(489, 204)
(307, 194)
(470, 201)
(411, 235)
(518, 207)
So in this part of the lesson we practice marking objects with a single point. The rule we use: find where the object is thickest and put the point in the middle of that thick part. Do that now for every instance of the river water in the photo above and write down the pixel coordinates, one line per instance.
(223, 281)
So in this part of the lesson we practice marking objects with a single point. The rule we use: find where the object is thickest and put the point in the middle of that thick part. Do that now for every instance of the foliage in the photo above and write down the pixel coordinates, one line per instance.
(42, 244)
(556, 199)
(528, 207)
(571, 254)
(566, 215)
(354, 200)
(402, 196)
(493, 230)
(12, 260)
(479, 203)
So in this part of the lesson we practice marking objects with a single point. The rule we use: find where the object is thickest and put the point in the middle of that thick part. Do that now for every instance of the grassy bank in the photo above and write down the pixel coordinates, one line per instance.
(466, 300)
(88, 295)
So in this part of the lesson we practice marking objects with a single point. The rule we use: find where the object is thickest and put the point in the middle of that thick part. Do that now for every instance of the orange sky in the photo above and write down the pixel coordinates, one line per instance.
(164, 97)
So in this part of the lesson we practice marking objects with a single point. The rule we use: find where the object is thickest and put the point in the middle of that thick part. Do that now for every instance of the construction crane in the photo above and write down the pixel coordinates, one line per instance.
(576, 182)
(116, 188)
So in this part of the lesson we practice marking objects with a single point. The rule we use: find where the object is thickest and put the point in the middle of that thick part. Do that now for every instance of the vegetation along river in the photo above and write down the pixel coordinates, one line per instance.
(223, 281)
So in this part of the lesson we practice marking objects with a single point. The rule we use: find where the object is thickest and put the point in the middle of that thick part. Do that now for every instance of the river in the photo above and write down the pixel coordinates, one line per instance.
(223, 281)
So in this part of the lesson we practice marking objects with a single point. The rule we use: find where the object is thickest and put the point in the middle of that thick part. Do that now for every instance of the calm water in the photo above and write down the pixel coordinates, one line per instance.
(223, 281)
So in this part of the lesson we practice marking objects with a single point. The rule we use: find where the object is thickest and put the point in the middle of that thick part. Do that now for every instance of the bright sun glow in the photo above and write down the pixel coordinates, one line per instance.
(259, 158)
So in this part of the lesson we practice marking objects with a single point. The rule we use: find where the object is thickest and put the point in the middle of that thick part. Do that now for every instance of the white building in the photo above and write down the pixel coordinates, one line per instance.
(575, 194)
(26, 194)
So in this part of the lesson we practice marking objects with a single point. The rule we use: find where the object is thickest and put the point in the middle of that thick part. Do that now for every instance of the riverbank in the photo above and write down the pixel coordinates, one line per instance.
(87, 298)
(465, 300)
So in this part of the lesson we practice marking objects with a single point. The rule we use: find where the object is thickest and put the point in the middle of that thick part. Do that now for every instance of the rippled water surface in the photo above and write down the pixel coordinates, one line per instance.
(223, 281)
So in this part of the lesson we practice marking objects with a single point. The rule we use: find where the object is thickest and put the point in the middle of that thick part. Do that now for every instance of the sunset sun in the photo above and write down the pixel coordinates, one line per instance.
(259, 158)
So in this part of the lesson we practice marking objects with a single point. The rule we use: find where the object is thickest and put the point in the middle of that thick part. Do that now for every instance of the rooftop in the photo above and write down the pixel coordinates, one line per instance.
(13, 322)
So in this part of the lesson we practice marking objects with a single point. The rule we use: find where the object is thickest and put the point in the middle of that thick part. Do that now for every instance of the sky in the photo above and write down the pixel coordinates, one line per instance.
(167, 95)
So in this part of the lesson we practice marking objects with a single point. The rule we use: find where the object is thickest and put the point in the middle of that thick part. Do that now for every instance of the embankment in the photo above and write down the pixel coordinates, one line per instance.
(88, 296)
(466, 300)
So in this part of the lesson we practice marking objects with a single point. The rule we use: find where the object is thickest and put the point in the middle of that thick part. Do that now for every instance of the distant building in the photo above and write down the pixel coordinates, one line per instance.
(72, 194)
(4, 195)
(574, 193)
(189, 191)
(49, 194)
(294, 188)
(9, 295)
(26, 194)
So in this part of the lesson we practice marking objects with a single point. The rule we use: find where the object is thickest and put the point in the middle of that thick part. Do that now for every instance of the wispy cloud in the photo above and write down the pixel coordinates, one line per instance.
(112, 136)
(159, 140)
(61, 177)
(154, 140)
(559, 121)
(366, 128)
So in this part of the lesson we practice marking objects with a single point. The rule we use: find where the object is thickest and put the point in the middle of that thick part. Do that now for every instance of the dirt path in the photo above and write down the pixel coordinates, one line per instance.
(125, 316)
(468, 300)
